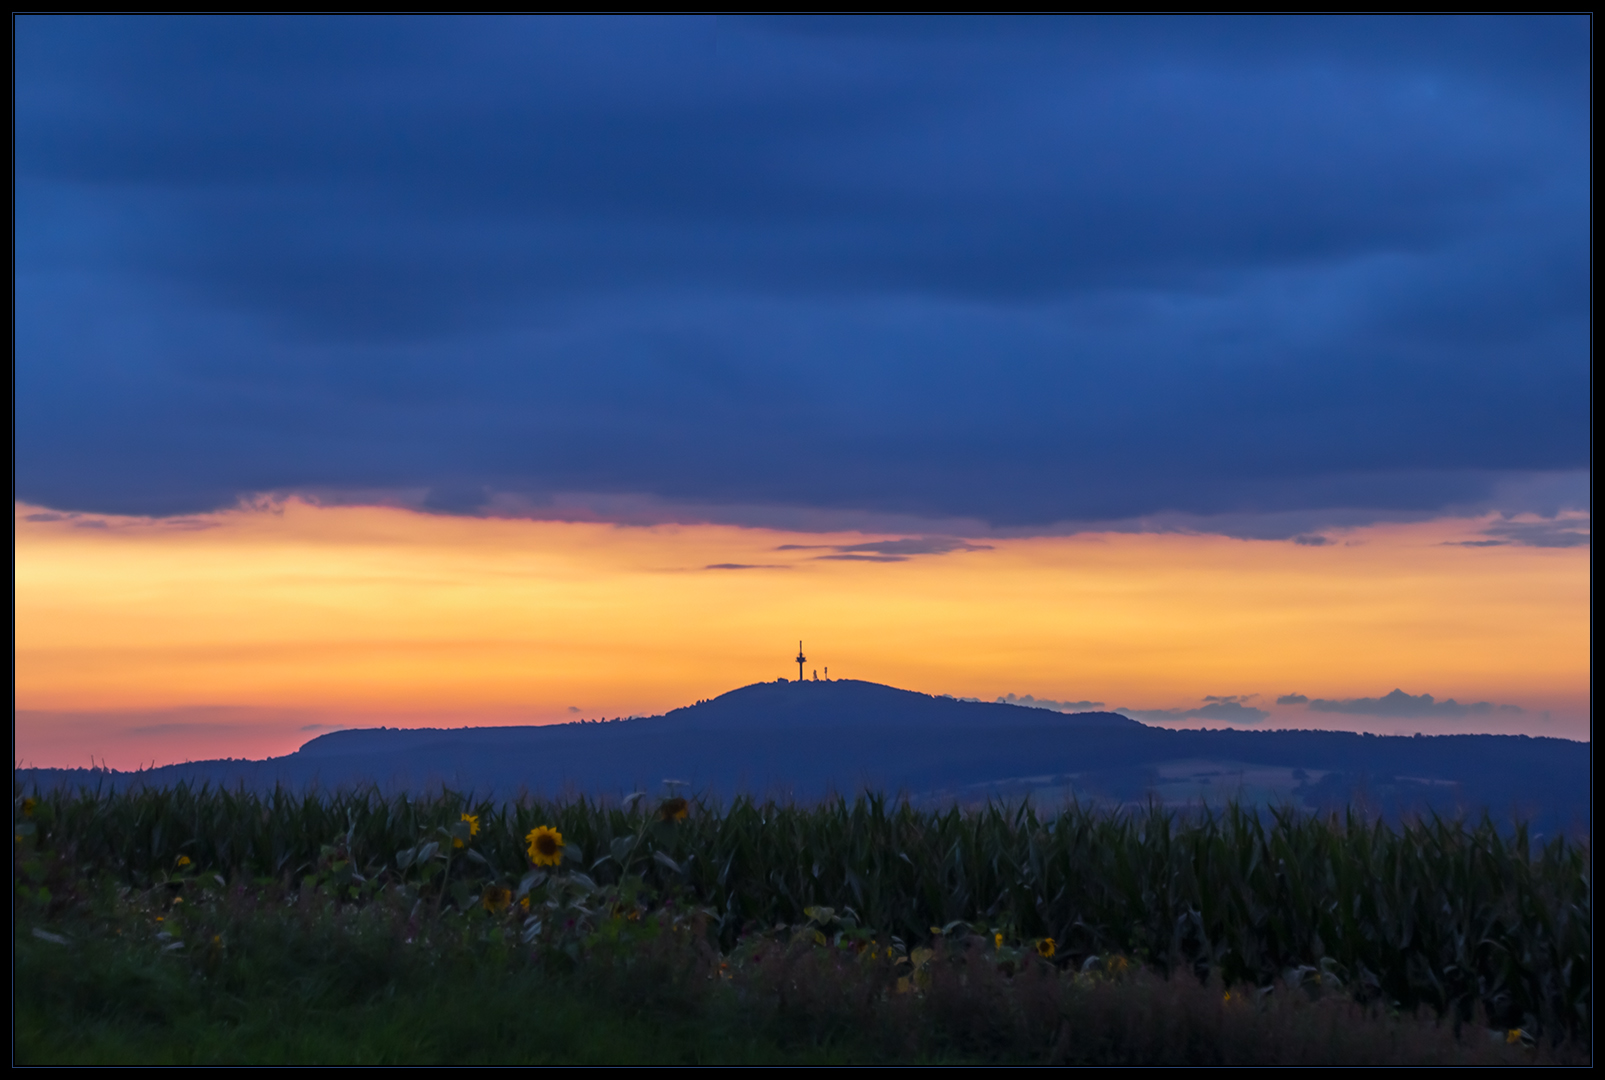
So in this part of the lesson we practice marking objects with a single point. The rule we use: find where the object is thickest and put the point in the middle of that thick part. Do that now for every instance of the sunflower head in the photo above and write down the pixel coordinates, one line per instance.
(1046, 948)
(674, 809)
(997, 941)
(473, 823)
(497, 898)
(183, 860)
(27, 807)
(545, 846)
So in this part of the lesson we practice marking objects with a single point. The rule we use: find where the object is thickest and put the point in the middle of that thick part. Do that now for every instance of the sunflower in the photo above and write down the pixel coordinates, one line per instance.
(1046, 948)
(545, 846)
(497, 898)
(674, 809)
(183, 860)
(473, 829)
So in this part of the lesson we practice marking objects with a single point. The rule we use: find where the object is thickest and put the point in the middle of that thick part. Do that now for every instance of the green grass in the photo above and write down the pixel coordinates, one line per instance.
(270, 978)
(1450, 917)
(105, 1005)
(115, 1007)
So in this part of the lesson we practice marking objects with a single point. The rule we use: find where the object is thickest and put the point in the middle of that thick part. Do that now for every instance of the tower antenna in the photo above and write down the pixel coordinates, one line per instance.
(801, 660)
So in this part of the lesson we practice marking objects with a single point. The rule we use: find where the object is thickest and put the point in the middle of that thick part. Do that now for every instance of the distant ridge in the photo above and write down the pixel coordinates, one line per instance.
(805, 740)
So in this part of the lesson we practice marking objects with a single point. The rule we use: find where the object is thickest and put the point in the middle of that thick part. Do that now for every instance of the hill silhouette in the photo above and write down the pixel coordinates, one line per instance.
(807, 740)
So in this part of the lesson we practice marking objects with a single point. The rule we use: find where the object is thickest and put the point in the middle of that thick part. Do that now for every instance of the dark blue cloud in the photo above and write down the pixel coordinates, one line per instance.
(889, 550)
(1398, 703)
(1566, 532)
(1010, 272)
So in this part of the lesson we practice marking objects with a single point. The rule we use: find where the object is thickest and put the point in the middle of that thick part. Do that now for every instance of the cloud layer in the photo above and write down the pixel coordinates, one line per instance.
(1400, 704)
(1015, 274)
(888, 550)
(1564, 532)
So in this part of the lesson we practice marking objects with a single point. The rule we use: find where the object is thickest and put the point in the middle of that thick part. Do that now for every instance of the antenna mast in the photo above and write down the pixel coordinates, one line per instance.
(801, 660)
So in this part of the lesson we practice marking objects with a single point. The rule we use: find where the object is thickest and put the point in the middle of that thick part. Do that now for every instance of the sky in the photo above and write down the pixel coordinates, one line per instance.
(435, 369)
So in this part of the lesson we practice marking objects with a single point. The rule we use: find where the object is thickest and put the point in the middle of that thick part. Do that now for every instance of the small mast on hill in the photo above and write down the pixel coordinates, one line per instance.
(801, 660)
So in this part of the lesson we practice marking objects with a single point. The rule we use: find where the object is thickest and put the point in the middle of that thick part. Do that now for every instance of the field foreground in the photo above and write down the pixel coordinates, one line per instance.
(186, 926)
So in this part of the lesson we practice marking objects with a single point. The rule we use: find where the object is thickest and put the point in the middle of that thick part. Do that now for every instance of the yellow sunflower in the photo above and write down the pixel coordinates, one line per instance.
(1046, 948)
(497, 898)
(545, 846)
(674, 809)
(473, 829)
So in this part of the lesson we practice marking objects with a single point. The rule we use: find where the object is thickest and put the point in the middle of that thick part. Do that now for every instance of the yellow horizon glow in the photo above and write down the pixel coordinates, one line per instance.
(381, 615)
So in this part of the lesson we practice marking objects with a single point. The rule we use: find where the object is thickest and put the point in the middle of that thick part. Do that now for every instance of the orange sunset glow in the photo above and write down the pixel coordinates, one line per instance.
(244, 633)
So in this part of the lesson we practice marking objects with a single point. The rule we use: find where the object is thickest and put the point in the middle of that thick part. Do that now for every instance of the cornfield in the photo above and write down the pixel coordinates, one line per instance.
(1451, 915)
